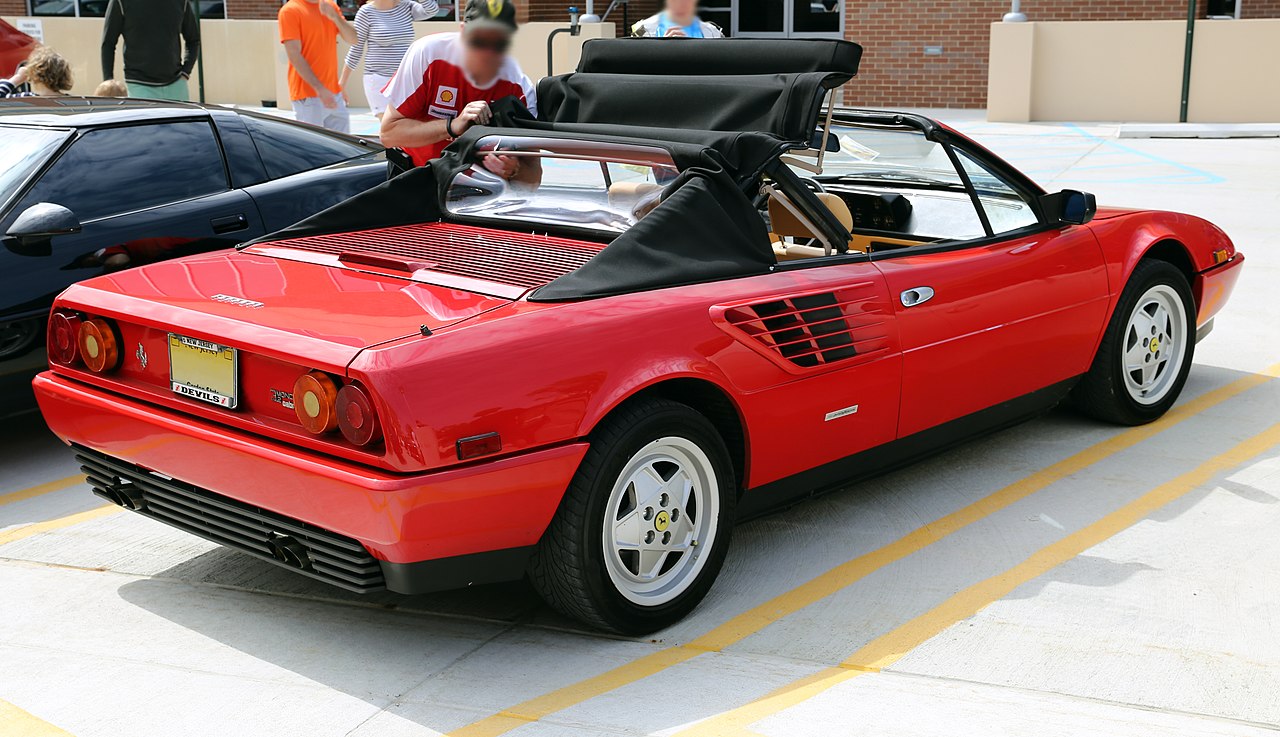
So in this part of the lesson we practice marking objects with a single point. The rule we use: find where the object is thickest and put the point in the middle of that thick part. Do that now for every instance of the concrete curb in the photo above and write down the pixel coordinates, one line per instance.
(1198, 130)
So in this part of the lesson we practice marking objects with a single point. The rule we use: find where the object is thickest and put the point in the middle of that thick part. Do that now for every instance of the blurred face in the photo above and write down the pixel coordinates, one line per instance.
(486, 49)
(682, 9)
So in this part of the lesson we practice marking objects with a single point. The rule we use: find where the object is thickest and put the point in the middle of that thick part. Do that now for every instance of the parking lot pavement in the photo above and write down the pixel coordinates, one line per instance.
(1059, 578)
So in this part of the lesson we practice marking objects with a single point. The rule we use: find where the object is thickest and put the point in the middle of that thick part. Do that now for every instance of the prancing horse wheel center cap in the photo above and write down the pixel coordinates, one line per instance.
(661, 521)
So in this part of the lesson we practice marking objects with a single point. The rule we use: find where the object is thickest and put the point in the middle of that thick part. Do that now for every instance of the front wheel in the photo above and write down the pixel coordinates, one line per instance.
(1146, 352)
(644, 527)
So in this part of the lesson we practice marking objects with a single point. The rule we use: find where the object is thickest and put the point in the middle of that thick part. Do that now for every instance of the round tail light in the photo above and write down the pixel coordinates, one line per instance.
(356, 416)
(314, 399)
(98, 346)
(64, 334)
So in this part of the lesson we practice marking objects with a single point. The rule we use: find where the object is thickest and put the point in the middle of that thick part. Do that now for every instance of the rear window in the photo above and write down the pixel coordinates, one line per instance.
(605, 187)
(289, 148)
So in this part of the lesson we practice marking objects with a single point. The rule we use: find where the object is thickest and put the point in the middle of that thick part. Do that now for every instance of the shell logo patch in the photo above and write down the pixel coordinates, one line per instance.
(495, 7)
(446, 96)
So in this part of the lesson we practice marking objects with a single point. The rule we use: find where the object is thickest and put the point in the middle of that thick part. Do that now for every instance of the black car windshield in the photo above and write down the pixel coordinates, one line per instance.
(24, 150)
(584, 184)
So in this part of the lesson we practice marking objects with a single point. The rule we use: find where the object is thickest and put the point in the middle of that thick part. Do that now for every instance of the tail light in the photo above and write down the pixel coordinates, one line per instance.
(98, 346)
(64, 334)
(315, 400)
(356, 416)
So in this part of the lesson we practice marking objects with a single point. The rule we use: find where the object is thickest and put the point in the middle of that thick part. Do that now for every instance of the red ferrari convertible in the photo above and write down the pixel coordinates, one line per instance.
(660, 319)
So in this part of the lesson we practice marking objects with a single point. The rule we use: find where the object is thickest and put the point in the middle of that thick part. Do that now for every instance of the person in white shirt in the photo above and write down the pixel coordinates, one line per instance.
(384, 31)
(678, 19)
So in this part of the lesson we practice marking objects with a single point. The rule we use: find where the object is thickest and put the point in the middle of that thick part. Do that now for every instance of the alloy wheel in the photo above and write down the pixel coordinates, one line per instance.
(660, 517)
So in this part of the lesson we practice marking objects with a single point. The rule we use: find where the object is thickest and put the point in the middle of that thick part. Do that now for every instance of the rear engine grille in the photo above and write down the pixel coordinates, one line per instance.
(813, 330)
(308, 549)
(517, 259)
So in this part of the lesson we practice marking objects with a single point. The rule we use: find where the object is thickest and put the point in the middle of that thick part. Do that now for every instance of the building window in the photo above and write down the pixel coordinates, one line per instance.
(787, 18)
(209, 9)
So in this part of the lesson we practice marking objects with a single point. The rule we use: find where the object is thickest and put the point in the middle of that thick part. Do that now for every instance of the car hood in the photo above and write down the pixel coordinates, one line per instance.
(289, 308)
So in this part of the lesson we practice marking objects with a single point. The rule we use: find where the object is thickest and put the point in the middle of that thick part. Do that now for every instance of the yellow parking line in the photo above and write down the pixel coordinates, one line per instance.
(848, 573)
(890, 647)
(15, 721)
(45, 488)
(57, 524)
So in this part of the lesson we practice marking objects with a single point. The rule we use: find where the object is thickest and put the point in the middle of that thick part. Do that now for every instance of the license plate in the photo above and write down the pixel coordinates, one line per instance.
(202, 370)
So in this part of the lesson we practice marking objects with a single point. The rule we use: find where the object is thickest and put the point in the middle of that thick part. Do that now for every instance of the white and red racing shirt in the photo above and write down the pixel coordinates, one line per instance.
(431, 83)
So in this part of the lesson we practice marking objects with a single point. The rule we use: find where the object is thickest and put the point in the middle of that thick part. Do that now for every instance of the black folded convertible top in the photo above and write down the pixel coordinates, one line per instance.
(718, 57)
(772, 87)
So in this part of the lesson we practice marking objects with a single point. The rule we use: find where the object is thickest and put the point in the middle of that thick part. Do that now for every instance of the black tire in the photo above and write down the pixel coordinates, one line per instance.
(568, 569)
(1103, 392)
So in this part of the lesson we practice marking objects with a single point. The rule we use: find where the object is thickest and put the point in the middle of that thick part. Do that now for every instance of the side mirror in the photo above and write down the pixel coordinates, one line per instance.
(31, 234)
(1069, 206)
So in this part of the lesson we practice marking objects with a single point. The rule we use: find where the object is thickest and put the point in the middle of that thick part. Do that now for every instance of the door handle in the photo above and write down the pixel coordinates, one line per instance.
(229, 224)
(916, 295)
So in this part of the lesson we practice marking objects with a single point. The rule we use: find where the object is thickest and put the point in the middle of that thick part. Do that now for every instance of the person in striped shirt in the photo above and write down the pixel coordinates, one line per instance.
(384, 31)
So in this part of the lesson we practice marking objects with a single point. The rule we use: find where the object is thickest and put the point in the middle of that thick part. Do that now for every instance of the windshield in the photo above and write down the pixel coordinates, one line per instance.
(24, 150)
(876, 153)
(584, 184)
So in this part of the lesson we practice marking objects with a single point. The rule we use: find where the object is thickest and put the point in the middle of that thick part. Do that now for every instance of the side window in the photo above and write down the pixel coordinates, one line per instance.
(1005, 208)
(288, 148)
(110, 171)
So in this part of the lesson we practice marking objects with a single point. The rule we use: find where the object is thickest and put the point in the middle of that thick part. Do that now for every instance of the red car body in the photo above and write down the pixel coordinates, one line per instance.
(489, 398)
(548, 373)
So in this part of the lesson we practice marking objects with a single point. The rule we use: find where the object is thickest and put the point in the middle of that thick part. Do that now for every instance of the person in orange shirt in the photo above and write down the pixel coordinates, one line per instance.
(309, 30)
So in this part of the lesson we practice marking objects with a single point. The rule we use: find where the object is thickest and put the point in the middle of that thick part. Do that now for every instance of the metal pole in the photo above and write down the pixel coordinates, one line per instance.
(195, 6)
(1015, 14)
(1186, 60)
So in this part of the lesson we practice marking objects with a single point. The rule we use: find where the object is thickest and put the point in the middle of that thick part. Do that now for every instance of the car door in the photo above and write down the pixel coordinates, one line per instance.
(142, 193)
(1007, 314)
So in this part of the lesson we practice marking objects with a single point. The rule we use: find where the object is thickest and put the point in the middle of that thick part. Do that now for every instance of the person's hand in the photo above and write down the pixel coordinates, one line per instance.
(675, 31)
(330, 11)
(327, 98)
(475, 113)
(19, 77)
(504, 166)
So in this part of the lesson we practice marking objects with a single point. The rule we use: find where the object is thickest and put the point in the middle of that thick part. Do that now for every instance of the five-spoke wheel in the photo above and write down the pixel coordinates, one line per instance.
(663, 504)
(1146, 351)
(643, 528)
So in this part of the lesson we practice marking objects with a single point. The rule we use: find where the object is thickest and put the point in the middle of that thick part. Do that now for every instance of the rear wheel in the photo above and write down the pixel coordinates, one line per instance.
(1146, 352)
(643, 529)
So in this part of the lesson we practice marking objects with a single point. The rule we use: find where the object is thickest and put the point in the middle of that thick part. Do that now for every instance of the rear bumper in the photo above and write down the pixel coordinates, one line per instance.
(425, 532)
(1213, 288)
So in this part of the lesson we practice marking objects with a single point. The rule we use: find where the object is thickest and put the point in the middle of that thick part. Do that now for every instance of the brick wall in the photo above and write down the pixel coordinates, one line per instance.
(896, 73)
(10, 8)
(1261, 9)
(251, 9)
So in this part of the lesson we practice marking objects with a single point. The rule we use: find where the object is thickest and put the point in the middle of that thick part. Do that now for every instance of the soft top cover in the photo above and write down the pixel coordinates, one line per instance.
(773, 87)
(717, 56)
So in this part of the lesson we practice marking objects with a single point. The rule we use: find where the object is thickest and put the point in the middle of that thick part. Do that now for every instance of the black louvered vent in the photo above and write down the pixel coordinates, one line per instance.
(814, 330)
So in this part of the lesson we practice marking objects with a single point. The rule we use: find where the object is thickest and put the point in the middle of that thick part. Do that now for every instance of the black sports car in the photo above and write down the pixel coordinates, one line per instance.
(89, 186)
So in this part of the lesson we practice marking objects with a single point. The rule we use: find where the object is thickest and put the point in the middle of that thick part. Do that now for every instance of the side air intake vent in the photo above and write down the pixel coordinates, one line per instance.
(812, 330)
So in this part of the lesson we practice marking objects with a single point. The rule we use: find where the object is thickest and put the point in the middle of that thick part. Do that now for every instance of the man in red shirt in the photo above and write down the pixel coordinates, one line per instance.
(445, 83)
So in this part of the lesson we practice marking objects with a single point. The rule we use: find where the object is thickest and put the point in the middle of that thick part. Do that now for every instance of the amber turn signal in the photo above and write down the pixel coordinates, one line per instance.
(98, 345)
(356, 416)
(64, 334)
(315, 399)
